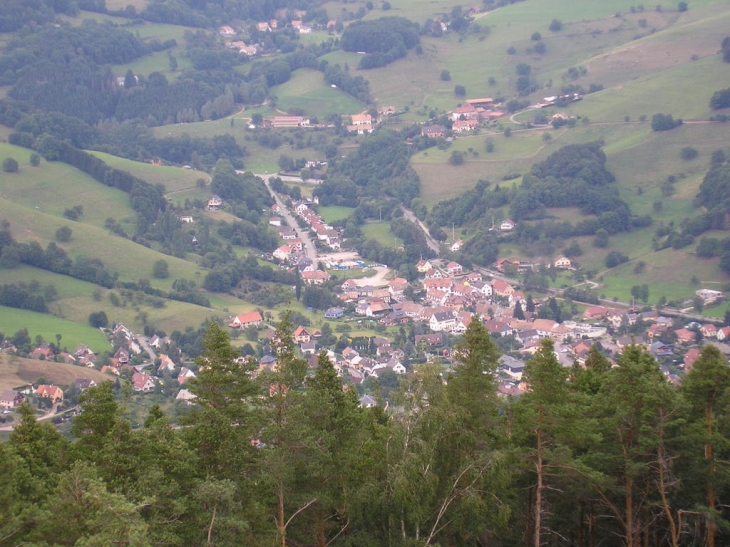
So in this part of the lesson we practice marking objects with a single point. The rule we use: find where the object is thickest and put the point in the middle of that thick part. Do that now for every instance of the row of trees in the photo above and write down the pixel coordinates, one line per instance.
(599, 455)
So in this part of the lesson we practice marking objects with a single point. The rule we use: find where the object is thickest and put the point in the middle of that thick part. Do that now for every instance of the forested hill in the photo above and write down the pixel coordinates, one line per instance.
(602, 455)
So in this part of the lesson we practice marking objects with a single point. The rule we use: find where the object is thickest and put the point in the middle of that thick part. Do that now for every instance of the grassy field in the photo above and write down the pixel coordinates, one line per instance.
(48, 326)
(380, 232)
(175, 179)
(308, 91)
(17, 372)
(332, 213)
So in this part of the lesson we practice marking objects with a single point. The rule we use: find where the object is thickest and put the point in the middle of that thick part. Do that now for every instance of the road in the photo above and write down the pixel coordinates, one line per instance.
(144, 343)
(47, 416)
(430, 241)
(292, 221)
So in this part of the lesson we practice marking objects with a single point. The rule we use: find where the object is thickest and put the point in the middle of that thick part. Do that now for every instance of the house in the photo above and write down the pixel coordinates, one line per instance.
(283, 253)
(366, 401)
(456, 245)
(10, 399)
(185, 375)
(709, 296)
(685, 336)
(511, 366)
(376, 307)
(121, 356)
(301, 335)
(334, 313)
(595, 312)
(166, 364)
(362, 119)
(723, 333)
(431, 340)
(454, 268)
(317, 277)
(709, 330)
(82, 384)
(226, 31)
(308, 348)
(245, 320)
(422, 266)
(507, 225)
(689, 359)
(563, 263)
(275, 221)
(263, 27)
(442, 321)
(185, 395)
(502, 288)
(214, 203)
(142, 382)
(54, 393)
(433, 131)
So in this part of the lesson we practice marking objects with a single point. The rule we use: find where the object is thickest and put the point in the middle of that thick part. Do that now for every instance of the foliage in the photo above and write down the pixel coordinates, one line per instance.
(720, 99)
(664, 122)
(10, 165)
(384, 40)
(98, 319)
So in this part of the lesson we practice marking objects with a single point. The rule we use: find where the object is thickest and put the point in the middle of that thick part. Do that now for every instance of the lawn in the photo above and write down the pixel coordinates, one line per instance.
(332, 213)
(174, 179)
(47, 326)
(16, 372)
(308, 91)
(380, 232)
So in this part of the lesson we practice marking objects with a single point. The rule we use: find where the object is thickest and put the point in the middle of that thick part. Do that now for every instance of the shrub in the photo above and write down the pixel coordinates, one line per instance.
(536, 37)
(98, 319)
(10, 165)
(689, 153)
(445, 76)
(664, 122)
(556, 25)
(160, 270)
(63, 234)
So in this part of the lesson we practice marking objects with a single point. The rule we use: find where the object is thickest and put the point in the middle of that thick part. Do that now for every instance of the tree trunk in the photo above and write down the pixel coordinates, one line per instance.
(629, 503)
(280, 512)
(539, 487)
(709, 456)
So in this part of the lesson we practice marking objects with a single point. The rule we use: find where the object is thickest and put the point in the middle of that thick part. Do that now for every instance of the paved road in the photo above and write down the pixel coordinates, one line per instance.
(292, 221)
(430, 241)
(144, 343)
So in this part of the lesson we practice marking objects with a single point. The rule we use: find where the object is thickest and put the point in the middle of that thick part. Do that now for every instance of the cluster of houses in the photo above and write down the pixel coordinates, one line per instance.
(466, 117)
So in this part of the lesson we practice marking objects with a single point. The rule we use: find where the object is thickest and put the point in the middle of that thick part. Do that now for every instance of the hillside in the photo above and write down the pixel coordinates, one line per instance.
(16, 372)
(637, 61)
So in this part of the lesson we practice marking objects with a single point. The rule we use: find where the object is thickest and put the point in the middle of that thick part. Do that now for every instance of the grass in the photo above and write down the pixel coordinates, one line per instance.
(380, 232)
(174, 179)
(332, 213)
(307, 91)
(17, 372)
(47, 326)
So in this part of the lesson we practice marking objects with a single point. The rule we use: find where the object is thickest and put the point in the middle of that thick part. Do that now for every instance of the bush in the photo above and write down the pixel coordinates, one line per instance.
(10, 165)
(63, 234)
(457, 158)
(720, 99)
(460, 91)
(689, 153)
(556, 25)
(35, 159)
(540, 48)
(445, 76)
(682, 6)
(98, 319)
(664, 122)
(536, 37)
(160, 270)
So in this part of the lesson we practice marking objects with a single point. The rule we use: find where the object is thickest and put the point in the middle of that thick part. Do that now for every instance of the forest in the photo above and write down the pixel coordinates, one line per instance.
(600, 454)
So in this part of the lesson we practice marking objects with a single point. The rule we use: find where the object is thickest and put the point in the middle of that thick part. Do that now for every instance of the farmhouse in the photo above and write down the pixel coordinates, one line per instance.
(11, 399)
(507, 225)
(214, 203)
(563, 263)
(317, 277)
(142, 382)
(433, 131)
(54, 393)
(245, 320)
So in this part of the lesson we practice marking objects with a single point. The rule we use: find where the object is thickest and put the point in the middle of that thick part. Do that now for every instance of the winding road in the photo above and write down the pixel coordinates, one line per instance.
(430, 241)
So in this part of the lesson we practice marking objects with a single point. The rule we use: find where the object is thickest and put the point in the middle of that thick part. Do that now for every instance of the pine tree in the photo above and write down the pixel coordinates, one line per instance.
(704, 387)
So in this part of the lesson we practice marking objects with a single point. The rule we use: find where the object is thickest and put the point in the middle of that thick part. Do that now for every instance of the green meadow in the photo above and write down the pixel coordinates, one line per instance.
(47, 326)
(333, 213)
(307, 91)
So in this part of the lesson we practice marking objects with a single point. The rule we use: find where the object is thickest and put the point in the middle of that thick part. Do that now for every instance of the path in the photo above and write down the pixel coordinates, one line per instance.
(47, 416)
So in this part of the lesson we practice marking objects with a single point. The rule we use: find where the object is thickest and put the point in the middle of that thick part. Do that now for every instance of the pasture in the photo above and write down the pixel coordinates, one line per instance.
(308, 92)
(174, 179)
(47, 326)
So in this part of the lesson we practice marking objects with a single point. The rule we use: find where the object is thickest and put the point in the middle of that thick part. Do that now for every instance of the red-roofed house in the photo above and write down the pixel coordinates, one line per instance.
(142, 382)
(54, 393)
(685, 336)
(248, 319)
(690, 358)
(317, 277)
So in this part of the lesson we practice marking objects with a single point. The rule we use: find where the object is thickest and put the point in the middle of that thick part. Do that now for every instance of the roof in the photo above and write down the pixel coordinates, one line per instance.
(250, 317)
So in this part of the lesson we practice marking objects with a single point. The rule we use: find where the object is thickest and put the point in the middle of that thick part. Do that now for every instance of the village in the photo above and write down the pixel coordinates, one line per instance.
(415, 322)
